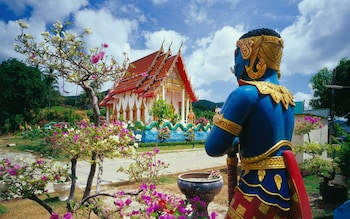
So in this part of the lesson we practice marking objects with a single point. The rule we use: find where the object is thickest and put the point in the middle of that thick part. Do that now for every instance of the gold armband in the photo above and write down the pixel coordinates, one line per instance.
(227, 125)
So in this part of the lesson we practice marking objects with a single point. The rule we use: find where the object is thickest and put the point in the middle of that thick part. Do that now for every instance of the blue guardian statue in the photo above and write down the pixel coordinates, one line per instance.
(257, 121)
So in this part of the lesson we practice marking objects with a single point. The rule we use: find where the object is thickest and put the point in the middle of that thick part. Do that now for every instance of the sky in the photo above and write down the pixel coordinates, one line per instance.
(315, 33)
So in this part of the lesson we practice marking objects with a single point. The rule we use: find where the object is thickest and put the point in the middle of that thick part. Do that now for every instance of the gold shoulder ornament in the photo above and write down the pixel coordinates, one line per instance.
(277, 93)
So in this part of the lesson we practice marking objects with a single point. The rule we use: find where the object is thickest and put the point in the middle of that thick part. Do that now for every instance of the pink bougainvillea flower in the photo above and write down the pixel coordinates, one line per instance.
(128, 201)
(11, 171)
(213, 215)
(76, 138)
(144, 74)
(54, 216)
(68, 215)
(101, 55)
(152, 187)
(39, 162)
(105, 45)
(95, 59)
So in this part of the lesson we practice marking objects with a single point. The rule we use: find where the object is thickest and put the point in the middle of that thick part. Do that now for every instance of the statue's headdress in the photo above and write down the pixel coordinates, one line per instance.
(263, 47)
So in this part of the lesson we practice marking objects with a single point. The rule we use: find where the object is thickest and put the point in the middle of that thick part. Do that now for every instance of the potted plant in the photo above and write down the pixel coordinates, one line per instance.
(200, 188)
(62, 180)
(331, 190)
(334, 187)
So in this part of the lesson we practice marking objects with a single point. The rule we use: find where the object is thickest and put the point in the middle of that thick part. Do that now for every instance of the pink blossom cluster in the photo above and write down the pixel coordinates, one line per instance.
(99, 56)
(67, 215)
(24, 178)
(307, 125)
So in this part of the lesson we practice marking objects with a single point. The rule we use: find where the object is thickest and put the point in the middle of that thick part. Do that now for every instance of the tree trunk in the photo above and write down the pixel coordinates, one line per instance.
(96, 109)
(91, 175)
(94, 104)
(99, 174)
(73, 181)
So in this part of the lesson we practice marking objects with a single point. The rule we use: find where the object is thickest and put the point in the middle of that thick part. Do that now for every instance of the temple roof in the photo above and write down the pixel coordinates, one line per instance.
(146, 75)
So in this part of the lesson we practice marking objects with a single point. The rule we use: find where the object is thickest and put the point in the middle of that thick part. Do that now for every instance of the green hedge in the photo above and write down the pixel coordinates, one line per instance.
(160, 144)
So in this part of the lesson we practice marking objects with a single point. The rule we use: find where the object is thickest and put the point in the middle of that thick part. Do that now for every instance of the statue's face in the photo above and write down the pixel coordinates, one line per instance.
(239, 64)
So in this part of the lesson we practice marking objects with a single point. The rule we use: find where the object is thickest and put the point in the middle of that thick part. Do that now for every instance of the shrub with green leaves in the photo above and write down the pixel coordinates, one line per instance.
(146, 167)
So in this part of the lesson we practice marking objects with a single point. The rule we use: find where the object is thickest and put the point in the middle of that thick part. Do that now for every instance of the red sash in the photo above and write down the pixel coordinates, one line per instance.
(300, 202)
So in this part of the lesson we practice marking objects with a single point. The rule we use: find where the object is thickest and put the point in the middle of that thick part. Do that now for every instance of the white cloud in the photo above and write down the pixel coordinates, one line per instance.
(7, 40)
(106, 29)
(12, 29)
(197, 15)
(48, 10)
(156, 2)
(59, 10)
(213, 56)
(205, 94)
(317, 38)
(300, 96)
(169, 37)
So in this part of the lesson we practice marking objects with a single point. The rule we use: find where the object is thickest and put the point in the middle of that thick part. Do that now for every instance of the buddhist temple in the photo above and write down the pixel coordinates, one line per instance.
(159, 75)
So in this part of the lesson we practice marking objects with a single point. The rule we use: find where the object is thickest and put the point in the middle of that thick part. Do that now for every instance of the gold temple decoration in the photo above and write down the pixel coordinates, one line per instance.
(262, 51)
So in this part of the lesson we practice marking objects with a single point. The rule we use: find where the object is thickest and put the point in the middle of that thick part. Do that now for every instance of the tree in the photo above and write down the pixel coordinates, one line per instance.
(66, 54)
(161, 110)
(322, 95)
(341, 75)
(22, 94)
(54, 98)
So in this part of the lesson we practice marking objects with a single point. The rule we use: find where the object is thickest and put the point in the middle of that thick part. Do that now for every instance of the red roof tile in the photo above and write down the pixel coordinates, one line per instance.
(146, 75)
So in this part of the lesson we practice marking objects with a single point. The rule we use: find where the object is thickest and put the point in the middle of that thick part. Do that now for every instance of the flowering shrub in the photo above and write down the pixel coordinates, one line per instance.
(60, 173)
(145, 203)
(30, 179)
(67, 215)
(69, 57)
(155, 204)
(315, 164)
(146, 167)
(111, 140)
(306, 126)
(24, 178)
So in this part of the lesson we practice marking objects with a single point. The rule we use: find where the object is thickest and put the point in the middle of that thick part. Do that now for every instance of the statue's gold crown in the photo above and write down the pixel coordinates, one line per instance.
(262, 51)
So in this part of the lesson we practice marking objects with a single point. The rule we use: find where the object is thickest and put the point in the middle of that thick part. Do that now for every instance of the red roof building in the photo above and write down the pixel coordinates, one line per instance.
(159, 75)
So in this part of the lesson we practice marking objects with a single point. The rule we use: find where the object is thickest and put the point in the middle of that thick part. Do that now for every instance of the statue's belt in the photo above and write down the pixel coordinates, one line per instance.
(274, 162)
(266, 160)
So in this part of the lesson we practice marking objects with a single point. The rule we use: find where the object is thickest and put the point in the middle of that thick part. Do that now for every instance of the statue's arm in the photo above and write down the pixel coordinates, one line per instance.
(223, 137)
